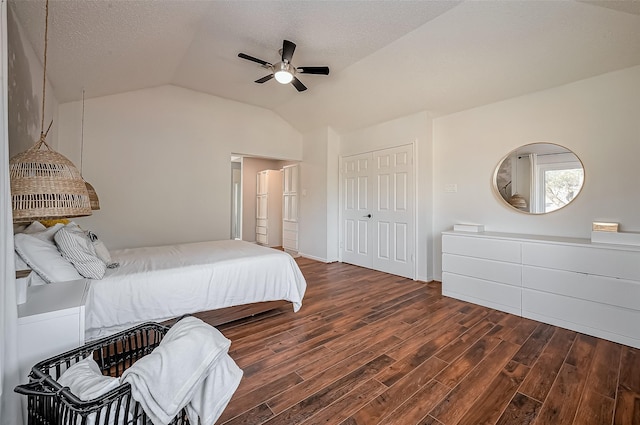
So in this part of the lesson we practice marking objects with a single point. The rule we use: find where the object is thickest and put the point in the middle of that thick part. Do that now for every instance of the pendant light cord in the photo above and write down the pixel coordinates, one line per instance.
(44, 71)
(82, 134)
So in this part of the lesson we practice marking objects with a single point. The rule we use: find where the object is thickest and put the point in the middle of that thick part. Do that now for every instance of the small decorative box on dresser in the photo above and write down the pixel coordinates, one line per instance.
(567, 282)
(50, 322)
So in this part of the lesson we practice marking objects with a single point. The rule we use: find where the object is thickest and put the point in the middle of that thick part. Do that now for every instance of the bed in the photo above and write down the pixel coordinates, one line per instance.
(161, 283)
(158, 283)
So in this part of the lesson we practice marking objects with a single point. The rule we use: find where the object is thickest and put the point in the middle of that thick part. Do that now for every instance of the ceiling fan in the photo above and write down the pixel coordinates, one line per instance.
(284, 72)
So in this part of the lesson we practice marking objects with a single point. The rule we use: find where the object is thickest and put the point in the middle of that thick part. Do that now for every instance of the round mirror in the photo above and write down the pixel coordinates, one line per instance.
(539, 178)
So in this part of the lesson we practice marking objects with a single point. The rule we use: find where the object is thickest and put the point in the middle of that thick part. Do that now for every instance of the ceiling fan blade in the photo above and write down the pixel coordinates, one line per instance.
(264, 79)
(318, 70)
(288, 48)
(298, 84)
(252, 59)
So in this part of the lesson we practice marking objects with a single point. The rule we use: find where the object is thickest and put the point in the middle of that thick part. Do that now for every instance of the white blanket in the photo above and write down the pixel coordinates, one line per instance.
(160, 283)
(190, 368)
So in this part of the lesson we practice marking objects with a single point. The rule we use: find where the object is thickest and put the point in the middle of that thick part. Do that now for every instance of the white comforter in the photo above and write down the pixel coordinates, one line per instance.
(160, 283)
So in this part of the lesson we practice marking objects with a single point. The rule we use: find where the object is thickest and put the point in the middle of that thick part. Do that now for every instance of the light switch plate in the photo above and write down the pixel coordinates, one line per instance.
(451, 188)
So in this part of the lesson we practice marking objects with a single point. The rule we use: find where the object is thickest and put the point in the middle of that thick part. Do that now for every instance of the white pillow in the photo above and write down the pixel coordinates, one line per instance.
(20, 264)
(35, 227)
(43, 257)
(47, 234)
(85, 380)
(75, 246)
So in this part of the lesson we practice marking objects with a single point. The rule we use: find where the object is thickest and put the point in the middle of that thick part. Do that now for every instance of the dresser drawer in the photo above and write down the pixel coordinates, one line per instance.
(608, 290)
(599, 261)
(478, 291)
(490, 249)
(508, 273)
(598, 319)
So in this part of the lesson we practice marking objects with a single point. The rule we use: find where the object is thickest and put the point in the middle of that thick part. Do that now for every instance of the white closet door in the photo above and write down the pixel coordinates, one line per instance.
(356, 210)
(394, 230)
(378, 223)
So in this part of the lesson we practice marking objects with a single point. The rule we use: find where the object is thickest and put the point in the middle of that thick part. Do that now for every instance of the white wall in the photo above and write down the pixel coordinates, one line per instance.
(333, 195)
(160, 161)
(312, 210)
(402, 131)
(597, 118)
(25, 92)
(318, 208)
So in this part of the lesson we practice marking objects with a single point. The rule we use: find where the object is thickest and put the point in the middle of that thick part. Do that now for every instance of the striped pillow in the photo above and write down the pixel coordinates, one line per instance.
(76, 247)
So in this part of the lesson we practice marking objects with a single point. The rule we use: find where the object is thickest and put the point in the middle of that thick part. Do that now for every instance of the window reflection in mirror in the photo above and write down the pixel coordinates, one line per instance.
(539, 178)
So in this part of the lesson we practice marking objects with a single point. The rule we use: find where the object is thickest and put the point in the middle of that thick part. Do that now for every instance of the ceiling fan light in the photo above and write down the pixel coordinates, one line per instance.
(283, 77)
(283, 73)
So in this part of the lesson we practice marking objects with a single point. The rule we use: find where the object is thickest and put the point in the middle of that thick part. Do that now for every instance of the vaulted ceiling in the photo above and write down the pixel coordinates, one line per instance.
(387, 58)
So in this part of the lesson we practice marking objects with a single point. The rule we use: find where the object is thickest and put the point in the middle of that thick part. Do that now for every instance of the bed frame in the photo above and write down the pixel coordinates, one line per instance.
(225, 315)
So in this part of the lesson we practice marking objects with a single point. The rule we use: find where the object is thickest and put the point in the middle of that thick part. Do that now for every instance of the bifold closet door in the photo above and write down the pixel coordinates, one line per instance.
(378, 211)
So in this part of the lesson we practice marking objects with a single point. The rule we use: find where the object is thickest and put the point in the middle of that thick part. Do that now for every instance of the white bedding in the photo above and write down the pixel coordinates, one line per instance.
(160, 283)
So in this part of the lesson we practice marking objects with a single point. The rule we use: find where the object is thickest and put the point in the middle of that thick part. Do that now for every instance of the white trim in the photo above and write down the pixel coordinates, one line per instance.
(10, 412)
(340, 194)
(416, 226)
(313, 257)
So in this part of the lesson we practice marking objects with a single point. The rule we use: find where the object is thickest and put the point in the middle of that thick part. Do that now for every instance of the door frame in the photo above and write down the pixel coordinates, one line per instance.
(414, 148)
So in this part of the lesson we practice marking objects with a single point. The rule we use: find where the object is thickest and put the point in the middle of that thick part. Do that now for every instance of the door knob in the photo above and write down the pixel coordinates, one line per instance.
(368, 215)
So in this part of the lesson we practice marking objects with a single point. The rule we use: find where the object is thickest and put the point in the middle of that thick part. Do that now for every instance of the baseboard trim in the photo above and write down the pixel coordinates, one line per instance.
(313, 257)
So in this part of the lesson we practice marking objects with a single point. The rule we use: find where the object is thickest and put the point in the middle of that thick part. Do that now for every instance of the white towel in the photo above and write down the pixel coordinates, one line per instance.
(172, 375)
(217, 390)
(85, 380)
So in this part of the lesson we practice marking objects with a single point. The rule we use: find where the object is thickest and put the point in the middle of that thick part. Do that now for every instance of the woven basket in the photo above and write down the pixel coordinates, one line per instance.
(46, 185)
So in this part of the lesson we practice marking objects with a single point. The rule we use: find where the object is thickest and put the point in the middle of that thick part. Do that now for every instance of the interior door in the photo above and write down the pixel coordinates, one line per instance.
(378, 223)
(393, 211)
(356, 210)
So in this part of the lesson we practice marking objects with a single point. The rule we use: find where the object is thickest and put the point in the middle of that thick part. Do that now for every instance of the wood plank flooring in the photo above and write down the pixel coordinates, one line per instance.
(371, 348)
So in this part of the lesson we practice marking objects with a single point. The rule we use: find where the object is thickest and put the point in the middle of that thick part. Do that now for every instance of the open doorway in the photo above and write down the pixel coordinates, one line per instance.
(236, 197)
(244, 211)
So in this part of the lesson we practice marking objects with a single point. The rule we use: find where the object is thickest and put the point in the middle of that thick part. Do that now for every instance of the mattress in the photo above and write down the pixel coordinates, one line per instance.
(160, 283)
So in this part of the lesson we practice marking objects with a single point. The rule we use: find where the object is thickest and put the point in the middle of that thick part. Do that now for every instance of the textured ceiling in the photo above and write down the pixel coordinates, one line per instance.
(387, 58)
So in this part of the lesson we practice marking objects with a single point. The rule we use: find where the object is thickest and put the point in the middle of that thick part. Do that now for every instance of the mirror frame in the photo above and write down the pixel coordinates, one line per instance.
(503, 201)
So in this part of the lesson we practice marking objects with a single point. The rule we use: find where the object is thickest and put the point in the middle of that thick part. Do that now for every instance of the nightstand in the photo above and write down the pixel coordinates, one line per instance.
(50, 322)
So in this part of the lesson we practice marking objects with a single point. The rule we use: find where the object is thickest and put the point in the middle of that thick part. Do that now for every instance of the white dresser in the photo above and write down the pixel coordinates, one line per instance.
(567, 282)
(50, 322)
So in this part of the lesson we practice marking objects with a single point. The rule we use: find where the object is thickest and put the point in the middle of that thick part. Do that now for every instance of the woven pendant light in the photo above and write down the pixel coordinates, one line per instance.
(518, 201)
(93, 197)
(44, 183)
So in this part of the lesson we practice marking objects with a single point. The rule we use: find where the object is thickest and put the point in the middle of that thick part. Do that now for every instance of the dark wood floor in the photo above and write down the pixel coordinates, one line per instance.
(371, 348)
